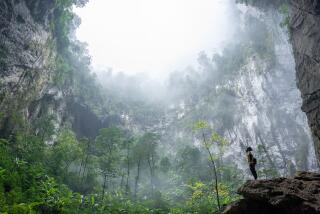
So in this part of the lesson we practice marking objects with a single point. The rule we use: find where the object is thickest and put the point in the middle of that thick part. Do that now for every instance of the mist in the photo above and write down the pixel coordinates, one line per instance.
(170, 66)
(213, 61)
(154, 37)
(146, 106)
(237, 74)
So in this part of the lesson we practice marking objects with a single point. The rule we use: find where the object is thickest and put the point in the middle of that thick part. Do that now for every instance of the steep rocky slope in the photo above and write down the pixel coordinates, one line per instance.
(305, 35)
(298, 195)
(27, 61)
(31, 70)
(304, 30)
(259, 105)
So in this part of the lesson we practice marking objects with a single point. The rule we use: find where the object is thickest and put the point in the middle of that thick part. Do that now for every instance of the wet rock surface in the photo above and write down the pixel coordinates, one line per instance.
(305, 39)
(298, 195)
(27, 59)
(29, 72)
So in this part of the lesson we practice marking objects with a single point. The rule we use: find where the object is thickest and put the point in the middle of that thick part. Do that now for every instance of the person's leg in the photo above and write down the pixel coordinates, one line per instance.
(253, 171)
(255, 174)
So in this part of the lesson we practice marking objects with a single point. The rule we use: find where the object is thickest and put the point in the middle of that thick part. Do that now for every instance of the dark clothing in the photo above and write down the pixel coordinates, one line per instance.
(253, 171)
(250, 158)
(252, 165)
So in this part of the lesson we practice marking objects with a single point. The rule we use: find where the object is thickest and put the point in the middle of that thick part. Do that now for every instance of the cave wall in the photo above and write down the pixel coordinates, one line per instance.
(26, 56)
(30, 96)
(305, 38)
(27, 61)
(28, 65)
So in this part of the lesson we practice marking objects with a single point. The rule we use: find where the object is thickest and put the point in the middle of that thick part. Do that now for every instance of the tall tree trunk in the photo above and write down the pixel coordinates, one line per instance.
(128, 169)
(80, 168)
(104, 186)
(151, 174)
(121, 182)
(137, 179)
(214, 170)
(85, 168)
(84, 162)
(66, 169)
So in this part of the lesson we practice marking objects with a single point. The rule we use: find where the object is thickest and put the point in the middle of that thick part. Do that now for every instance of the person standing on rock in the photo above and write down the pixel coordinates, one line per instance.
(252, 162)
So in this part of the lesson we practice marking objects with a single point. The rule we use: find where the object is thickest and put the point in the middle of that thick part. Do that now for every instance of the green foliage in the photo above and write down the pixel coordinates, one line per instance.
(201, 125)
(36, 177)
(149, 143)
(63, 71)
(63, 153)
(108, 145)
(26, 187)
(201, 200)
(165, 164)
(215, 139)
(62, 23)
(43, 170)
(189, 163)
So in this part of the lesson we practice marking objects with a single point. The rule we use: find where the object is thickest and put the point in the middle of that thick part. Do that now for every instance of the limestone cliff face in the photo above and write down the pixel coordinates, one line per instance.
(305, 39)
(305, 35)
(27, 61)
(31, 95)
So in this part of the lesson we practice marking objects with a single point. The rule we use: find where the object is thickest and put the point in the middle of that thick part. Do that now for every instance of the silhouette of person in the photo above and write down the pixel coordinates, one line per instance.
(252, 162)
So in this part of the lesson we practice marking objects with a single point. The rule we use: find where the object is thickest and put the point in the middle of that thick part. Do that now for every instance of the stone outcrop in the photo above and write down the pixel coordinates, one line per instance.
(304, 30)
(305, 38)
(298, 195)
(29, 72)
(27, 59)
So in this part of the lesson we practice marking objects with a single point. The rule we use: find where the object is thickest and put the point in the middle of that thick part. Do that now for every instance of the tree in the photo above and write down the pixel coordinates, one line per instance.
(216, 139)
(127, 146)
(165, 164)
(188, 161)
(64, 152)
(108, 144)
(138, 154)
(85, 145)
(149, 142)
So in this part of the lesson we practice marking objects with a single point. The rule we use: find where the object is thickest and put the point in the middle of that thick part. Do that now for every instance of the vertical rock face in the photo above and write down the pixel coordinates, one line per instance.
(27, 59)
(29, 69)
(305, 35)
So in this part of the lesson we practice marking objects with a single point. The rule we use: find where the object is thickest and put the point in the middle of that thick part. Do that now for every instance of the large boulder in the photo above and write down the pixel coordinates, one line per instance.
(298, 195)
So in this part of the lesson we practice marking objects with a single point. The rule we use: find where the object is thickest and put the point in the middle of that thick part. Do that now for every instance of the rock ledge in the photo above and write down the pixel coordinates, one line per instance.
(298, 195)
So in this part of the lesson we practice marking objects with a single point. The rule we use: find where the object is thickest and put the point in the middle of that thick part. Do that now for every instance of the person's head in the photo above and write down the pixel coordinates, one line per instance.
(249, 149)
